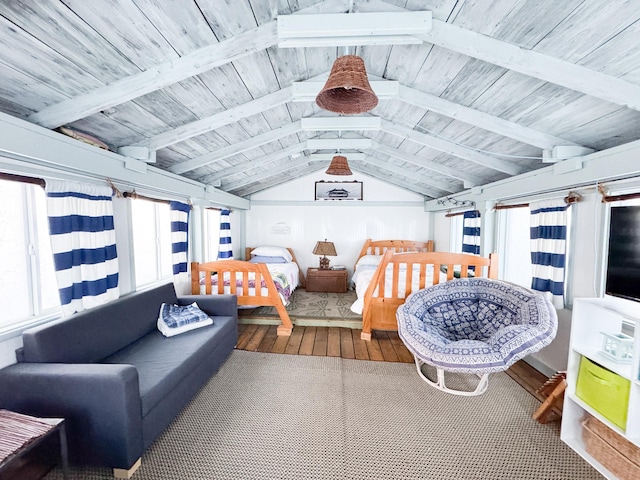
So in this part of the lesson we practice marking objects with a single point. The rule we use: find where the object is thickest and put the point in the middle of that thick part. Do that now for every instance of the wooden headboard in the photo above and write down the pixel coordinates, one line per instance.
(379, 247)
(303, 280)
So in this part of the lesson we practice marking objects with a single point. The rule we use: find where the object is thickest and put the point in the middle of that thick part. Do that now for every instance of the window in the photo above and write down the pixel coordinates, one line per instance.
(514, 246)
(27, 277)
(456, 234)
(211, 229)
(151, 227)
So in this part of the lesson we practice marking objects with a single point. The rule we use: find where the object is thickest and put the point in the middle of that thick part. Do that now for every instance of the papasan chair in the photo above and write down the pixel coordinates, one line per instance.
(474, 326)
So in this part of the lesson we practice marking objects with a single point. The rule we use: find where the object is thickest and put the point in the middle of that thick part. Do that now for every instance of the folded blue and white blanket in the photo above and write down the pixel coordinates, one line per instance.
(176, 319)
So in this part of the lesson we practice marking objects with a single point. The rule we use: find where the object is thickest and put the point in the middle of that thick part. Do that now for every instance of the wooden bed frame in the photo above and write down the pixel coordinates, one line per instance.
(379, 312)
(259, 271)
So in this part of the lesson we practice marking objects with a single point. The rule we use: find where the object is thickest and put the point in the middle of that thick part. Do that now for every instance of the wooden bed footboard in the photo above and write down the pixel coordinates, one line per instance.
(398, 274)
(243, 272)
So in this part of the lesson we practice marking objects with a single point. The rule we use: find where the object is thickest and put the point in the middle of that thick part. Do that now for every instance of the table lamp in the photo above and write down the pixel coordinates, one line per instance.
(324, 248)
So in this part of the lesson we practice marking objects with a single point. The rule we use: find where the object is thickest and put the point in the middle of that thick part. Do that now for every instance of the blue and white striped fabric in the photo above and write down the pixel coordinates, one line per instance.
(225, 247)
(471, 232)
(83, 242)
(179, 235)
(548, 247)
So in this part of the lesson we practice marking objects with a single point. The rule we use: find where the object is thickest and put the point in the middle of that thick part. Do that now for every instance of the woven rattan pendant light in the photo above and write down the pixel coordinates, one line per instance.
(339, 166)
(347, 90)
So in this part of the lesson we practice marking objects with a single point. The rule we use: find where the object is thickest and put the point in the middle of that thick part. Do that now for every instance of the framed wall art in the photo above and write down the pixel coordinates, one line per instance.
(338, 190)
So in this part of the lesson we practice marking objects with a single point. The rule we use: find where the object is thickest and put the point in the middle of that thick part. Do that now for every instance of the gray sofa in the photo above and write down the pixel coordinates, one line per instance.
(113, 376)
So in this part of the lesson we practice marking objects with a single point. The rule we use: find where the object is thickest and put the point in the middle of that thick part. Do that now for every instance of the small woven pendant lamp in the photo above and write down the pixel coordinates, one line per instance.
(338, 166)
(347, 90)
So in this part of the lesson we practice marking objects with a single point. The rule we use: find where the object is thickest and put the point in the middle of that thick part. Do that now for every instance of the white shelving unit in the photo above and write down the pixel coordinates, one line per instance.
(591, 316)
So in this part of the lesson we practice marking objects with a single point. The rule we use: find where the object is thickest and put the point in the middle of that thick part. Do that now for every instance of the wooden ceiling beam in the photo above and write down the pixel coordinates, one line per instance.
(529, 62)
(231, 150)
(480, 119)
(451, 148)
(248, 164)
(158, 77)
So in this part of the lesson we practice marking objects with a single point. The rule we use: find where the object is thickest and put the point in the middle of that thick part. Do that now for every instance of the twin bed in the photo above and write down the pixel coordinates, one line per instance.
(386, 272)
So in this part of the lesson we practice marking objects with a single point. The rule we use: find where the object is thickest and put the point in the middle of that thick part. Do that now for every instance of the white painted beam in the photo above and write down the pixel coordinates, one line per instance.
(40, 149)
(271, 172)
(480, 119)
(339, 143)
(534, 64)
(327, 157)
(451, 148)
(248, 164)
(307, 91)
(352, 29)
(227, 117)
(369, 169)
(280, 179)
(158, 77)
(340, 123)
(229, 151)
(429, 165)
(410, 176)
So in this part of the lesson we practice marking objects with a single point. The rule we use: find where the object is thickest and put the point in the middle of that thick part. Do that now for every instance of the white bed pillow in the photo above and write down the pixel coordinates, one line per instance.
(369, 260)
(272, 251)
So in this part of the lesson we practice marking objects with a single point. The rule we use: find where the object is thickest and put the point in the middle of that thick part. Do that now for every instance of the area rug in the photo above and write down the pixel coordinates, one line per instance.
(303, 304)
(268, 416)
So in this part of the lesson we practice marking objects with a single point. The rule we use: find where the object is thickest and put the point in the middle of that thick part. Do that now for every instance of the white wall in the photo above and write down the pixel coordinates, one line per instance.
(386, 212)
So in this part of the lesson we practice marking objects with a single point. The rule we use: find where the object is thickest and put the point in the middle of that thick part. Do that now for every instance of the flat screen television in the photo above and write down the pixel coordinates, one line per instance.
(623, 260)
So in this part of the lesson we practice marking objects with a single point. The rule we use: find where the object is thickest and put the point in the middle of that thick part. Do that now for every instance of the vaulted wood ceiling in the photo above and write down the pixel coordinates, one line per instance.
(204, 85)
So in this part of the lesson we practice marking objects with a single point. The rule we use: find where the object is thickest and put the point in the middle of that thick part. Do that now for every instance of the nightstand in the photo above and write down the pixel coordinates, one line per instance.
(334, 281)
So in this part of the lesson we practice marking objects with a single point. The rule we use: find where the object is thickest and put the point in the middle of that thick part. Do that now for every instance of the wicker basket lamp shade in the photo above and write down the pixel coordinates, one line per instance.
(339, 166)
(347, 90)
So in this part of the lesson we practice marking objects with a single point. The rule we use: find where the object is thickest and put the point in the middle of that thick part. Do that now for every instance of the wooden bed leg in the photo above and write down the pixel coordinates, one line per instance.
(365, 336)
(286, 328)
(127, 473)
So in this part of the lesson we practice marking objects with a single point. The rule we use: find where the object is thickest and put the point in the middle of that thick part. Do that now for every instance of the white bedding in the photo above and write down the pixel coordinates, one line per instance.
(291, 271)
(364, 273)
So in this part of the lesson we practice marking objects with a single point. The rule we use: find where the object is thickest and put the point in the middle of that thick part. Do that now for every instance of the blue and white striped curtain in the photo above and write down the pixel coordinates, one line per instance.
(471, 232)
(548, 247)
(225, 247)
(179, 235)
(83, 242)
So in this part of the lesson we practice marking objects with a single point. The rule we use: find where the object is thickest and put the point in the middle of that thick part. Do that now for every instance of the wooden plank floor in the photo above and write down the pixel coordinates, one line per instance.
(346, 343)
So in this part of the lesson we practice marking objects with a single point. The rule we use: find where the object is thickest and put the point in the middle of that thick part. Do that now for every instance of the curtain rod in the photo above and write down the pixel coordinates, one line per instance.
(449, 214)
(572, 197)
(136, 196)
(23, 179)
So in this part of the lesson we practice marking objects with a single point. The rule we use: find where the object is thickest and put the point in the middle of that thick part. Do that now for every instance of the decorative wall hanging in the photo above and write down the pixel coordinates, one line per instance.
(338, 190)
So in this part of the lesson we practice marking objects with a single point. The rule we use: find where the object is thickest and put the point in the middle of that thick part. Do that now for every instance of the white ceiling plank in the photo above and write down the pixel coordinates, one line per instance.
(340, 123)
(451, 148)
(339, 143)
(249, 144)
(281, 178)
(534, 64)
(443, 187)
(220, 119)
(367, 169)
(241, 166)
(157, 77)
(429, 165)
(480, 119)
(327, 157)
(271, 172)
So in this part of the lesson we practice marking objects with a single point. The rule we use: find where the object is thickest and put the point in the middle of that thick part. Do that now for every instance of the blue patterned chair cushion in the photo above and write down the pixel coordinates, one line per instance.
(475, 325)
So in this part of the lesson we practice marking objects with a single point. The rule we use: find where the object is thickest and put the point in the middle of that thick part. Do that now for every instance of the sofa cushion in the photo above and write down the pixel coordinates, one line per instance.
(94, 334)
(163, 362)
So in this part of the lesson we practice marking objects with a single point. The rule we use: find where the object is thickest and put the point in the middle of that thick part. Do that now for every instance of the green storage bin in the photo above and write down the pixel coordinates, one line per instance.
(605, 391)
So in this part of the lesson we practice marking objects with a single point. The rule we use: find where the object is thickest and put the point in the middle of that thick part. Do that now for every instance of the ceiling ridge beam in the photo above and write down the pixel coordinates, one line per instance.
(430, 165)
(529, 62)
(230, 150)
(480, 119)
(157, 77)
(239, 167)
(451, 148)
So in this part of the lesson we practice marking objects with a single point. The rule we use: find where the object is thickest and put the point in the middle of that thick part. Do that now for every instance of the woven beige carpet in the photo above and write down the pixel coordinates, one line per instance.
(268, 416)
(303, 304)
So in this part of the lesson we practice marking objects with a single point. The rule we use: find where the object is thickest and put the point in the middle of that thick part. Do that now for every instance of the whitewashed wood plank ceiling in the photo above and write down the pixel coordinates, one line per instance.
(204, 85)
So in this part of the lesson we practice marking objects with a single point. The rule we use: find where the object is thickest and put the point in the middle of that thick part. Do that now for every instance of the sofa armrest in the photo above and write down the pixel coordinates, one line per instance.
(99, 402)
(214, 305)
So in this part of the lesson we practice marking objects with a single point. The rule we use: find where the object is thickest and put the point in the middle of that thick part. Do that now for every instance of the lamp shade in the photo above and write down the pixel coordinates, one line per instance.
(339, 166)
(347, 90)
(325, 248)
